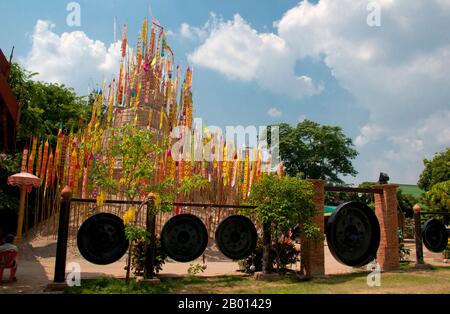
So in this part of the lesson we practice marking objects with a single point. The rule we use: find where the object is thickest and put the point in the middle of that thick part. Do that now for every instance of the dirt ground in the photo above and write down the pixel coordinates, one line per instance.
(37, 258)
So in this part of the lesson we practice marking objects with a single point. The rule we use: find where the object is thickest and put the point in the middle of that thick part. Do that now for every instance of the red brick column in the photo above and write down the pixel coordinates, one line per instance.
(388, 255)
(312, 254)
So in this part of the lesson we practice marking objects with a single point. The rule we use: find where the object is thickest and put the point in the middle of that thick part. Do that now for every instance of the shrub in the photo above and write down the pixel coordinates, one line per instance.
(282, 254)
(195, 269)
(403, 250)
(446, 252)
(138, 257)
(284, 202)
(409, 230)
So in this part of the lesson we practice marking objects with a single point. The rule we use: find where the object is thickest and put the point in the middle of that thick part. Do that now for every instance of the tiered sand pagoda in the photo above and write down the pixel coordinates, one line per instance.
(148, 92)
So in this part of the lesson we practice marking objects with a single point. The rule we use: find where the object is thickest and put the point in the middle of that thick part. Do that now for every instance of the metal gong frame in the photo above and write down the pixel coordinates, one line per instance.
(353, 234)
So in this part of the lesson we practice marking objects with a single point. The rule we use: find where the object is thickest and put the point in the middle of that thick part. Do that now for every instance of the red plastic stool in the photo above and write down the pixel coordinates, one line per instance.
(8, 261)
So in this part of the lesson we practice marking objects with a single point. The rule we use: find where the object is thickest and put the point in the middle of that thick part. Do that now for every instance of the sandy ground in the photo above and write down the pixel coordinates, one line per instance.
(36, 265)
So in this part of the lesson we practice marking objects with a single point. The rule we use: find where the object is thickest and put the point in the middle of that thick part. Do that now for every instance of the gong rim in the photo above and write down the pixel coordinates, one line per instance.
(101, 239)
(434, 235)
(178, 240)
(236, 237)
(353, 234)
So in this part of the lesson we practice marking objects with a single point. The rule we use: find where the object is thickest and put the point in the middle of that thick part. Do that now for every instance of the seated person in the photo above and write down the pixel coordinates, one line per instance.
(7, 244)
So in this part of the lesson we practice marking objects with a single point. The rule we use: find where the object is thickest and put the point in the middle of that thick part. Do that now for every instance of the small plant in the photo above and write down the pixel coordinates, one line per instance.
(138, 257)
(403, 250)
(285, 254)
(195, 269)
(404, 253)
(409, 230)
(282, 254)
(446, 252)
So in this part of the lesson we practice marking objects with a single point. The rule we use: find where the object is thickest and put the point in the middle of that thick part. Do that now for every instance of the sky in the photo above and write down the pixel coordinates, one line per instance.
(378, 69)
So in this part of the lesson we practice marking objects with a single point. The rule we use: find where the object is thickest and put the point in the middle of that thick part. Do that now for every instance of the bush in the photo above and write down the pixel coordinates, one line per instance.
(282, 254)
(409, 231)
(403, 250)
(195, 269)
(9, 165)
(446, 252)
(138, 257)
(283, 203)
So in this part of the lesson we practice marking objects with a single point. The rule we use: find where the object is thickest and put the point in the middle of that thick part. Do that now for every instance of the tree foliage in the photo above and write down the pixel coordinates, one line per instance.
(284, 202)
(45, 107)
(406, 203)
(8, 194)
(316, 151)
(133, 150)
(435, 171)
(438, 198)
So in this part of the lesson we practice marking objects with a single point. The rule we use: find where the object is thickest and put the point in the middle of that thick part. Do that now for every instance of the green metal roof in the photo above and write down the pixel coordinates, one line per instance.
(329, 209)
(411, 189)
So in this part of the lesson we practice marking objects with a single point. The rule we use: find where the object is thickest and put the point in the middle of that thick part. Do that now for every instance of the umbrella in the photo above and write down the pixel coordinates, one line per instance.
(23, 180)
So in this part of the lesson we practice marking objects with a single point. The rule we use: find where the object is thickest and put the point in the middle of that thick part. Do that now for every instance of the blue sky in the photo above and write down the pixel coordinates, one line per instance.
(260, 62)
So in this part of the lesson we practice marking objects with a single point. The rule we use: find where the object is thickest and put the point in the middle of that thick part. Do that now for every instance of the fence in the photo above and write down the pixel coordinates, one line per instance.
(75, 210)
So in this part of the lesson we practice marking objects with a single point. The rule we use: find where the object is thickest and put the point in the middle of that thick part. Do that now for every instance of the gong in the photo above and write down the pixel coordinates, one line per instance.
(236, 237)
(101, 239)
(434, 235)
(353, 234)
(184, 237)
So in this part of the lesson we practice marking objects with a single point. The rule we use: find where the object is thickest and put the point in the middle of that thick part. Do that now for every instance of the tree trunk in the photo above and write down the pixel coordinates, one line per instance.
(127, 277)
(266, 265)
(149, 268)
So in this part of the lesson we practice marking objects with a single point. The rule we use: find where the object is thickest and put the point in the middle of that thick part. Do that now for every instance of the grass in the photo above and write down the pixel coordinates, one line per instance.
(407, 280)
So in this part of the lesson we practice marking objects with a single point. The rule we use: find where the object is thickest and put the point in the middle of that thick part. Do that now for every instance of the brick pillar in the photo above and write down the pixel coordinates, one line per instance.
(388, 255)
(312, 254)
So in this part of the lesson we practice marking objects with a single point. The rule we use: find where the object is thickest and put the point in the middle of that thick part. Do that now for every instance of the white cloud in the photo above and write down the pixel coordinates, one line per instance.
(71, 58)
(397, 71)
(235, 49)
(368, 132)
(200, 33)
(274, 112)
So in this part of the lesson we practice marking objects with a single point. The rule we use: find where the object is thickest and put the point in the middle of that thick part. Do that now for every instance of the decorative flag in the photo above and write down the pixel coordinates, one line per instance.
(32, 155)
(44, 160)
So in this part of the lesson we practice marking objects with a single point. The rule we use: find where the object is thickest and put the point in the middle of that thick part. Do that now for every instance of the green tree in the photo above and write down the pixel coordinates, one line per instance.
(436, 170)
(316, 151)
(406, 203)
(438, 198)
(134, 150)
(282, 203)
(45, 107)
